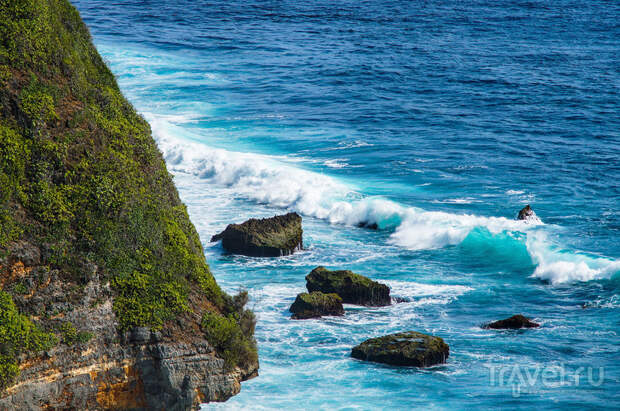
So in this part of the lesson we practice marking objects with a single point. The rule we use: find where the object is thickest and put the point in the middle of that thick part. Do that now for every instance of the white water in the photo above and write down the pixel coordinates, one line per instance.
(276, 182)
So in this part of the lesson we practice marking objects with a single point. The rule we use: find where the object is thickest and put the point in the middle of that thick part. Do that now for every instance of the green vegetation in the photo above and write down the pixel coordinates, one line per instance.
(316, 304)
(70, 334)
(339, 278)
(17, 335)
(232, 335)
(81, 163)
(266, 237)
(318, 298)
(352, 288)
(81, 177)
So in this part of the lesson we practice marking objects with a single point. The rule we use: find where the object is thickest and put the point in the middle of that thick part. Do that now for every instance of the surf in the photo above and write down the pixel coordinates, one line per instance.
(279, 182)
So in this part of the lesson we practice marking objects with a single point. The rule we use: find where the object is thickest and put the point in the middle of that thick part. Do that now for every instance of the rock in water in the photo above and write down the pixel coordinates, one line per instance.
(528, 215)
(352, 288)
(267, 237)
(514, 322)
(315, 305)
(408, 348)
(366, 224)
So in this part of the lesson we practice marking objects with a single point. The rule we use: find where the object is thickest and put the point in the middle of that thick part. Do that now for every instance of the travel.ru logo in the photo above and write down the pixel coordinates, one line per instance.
(523, 379)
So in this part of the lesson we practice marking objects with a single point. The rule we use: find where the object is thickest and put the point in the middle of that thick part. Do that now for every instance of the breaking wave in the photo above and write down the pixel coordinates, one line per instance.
(275, 181)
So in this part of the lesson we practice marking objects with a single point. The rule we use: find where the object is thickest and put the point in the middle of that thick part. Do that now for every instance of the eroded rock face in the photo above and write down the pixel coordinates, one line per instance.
(267, 237)
(352, 288)
(142, 376)
(94, 241)
(143, 371)
(173, 369)
(407, 349)
(528, 215)
(315, 305)
(514, 322)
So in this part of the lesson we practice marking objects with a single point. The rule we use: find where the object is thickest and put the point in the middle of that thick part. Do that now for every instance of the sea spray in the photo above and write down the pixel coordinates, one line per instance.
(276, 182)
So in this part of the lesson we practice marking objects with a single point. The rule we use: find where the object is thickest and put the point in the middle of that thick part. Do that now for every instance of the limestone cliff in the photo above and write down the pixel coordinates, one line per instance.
(106, 300)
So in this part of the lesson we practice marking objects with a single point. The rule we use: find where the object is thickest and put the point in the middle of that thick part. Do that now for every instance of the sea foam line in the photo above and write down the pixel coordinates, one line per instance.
(276, 182)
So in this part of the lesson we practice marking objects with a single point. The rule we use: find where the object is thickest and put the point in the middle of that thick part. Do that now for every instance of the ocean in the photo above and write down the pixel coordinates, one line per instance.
(436, 120)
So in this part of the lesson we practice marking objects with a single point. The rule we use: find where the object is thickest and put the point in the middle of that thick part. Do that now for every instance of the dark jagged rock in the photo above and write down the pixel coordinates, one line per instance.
(352, 288)
(408, 349)
(267, 237)
(315, 305)
(514, 322)
(527, 214)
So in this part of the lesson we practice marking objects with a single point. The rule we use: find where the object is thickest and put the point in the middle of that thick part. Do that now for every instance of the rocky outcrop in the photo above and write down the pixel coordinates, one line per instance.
(267, 237)
(315, 305)
(528, 215)
(106, 299)
(514, 322)
(407, 349)
(352, 288)
(143, 374)
(94, 366)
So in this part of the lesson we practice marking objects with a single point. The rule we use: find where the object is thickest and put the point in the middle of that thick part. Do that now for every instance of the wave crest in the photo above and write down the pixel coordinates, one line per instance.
(274, 181)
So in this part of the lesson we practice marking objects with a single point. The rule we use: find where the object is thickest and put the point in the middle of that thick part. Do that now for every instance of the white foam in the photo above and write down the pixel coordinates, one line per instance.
(611, 302)
(422, 230)
(413, 289)
(279, 182)
(560, 266)
(336, 163)
(464, 200)
(348, 145)
(427, 294)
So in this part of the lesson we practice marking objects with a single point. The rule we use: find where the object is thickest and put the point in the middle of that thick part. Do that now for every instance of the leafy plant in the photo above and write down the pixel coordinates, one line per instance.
(17, 335)
(70, 334)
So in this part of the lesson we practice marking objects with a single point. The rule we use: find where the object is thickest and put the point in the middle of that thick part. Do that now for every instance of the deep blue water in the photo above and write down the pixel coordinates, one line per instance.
(438, 120)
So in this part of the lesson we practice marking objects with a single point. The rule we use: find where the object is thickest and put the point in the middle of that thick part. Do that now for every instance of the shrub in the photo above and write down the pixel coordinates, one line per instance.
(17, 335)
(236, 345)
(70, 334)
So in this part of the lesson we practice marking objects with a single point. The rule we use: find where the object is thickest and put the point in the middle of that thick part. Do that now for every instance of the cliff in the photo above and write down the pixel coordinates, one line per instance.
(106, 300)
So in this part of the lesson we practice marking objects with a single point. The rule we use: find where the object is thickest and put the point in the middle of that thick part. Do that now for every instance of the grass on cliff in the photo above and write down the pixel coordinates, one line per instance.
(81, 177)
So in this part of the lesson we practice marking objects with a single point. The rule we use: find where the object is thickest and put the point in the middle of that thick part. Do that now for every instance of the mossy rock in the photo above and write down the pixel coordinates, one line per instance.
(406, 349)
(315, 305)
(352, 288)
(514, 322)
(267, 237)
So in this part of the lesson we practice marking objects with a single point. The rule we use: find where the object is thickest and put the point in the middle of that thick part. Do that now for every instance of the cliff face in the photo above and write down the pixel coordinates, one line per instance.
(106, 300)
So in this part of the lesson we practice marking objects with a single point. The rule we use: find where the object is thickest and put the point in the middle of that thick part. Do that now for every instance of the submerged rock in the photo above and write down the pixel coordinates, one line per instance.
(528, 215)
(366, 224)
(352, 288)
(408, 348)
(315, 305)
(267, 237)
(514, 322)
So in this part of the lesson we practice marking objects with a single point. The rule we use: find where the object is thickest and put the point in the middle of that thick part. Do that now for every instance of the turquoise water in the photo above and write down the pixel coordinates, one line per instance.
(436, 120)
